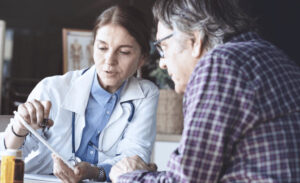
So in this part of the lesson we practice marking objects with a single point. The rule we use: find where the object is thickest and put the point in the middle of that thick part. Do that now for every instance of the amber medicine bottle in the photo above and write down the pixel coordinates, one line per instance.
(12, 166)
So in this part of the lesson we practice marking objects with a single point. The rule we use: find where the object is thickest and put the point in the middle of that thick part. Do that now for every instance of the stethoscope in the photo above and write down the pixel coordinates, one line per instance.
(75, 160)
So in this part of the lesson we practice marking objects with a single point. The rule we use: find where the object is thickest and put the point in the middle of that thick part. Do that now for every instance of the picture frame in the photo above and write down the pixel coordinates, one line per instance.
(2, 41)
(77, 49)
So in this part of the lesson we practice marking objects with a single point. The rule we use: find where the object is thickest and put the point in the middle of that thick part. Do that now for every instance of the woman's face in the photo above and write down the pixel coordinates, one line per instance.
(117, 56)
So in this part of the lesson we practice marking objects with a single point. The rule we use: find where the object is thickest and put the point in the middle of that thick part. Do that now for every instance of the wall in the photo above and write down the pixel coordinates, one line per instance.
(37, 26)
(37, 29)
(161, 153)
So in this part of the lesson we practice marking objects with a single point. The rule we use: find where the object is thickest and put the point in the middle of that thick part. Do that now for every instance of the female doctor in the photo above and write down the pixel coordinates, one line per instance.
(98, 115)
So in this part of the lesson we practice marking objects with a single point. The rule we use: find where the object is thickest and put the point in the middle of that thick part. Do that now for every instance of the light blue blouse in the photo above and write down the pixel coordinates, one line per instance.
(98, 111)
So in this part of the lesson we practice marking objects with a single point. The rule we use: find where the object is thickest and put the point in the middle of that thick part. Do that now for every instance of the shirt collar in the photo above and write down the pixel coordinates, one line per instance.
(246, 36)
(79, 90)
(101, 95)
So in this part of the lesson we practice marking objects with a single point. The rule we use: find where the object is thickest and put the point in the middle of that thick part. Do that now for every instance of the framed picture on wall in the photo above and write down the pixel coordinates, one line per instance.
(77, 49)
(2, 38)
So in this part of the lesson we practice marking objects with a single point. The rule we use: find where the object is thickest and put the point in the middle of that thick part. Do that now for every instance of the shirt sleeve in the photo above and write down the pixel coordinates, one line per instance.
(31, 143)
(216, 105)
(106, 168)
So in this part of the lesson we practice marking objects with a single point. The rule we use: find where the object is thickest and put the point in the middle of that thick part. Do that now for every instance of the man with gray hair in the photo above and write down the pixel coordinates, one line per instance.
(241, 99)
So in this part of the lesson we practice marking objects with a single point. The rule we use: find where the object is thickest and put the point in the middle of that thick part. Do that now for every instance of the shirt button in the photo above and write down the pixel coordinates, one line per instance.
(91, 152)
(107, 112)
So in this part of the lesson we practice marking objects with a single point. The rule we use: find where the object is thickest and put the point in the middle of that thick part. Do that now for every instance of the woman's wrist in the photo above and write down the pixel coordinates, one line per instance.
(18, 129)
(99, 173)
(16, 134)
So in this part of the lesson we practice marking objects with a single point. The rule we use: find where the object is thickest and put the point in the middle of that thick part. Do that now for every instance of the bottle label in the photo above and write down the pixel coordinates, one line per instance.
(7, 169)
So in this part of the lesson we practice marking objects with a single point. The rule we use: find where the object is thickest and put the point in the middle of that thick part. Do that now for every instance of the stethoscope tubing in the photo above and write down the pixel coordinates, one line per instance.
(73, 129)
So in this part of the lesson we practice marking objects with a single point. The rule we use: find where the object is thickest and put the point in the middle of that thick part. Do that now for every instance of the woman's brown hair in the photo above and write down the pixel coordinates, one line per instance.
(132, 19)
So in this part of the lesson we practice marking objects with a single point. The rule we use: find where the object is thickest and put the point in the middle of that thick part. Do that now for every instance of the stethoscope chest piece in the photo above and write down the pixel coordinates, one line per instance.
(74, 160)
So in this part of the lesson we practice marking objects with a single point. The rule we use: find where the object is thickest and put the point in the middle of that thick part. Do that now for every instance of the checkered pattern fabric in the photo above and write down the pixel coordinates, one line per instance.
(241, 118)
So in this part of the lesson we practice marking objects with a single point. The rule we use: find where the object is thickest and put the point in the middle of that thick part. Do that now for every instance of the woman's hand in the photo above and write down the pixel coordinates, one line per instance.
(83, 170)
(35, 113)
(130, 164)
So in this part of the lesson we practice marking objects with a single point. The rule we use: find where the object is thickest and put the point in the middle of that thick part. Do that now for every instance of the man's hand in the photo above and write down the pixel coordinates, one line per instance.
(83, 170)
(130, 164)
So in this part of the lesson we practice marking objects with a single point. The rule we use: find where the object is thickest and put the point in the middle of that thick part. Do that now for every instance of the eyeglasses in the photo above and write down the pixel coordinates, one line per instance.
(158, 47)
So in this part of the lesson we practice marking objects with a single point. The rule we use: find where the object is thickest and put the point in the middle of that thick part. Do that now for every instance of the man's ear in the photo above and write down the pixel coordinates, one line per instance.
(197, 44)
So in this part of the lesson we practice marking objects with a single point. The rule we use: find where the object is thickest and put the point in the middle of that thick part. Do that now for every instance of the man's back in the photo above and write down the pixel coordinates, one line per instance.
(241, 98)
(242, 107)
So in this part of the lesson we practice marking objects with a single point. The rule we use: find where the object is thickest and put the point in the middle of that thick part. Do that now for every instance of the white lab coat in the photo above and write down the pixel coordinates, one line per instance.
(70, 93)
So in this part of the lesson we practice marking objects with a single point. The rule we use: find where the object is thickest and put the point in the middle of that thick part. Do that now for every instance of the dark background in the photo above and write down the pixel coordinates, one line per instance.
(278, 22)
(37, 26)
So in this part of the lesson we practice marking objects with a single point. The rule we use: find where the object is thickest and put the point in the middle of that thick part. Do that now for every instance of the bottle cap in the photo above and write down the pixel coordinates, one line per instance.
(12, 152)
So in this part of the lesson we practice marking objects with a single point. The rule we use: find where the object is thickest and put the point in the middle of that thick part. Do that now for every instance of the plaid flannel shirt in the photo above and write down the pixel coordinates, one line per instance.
(241, 118)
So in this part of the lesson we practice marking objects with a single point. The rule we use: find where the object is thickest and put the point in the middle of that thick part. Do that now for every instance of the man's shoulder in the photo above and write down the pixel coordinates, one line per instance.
(242, 50)
(244, 45)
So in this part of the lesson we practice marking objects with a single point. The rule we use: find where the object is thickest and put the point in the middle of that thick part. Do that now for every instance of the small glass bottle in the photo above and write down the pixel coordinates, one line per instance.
(12, 166)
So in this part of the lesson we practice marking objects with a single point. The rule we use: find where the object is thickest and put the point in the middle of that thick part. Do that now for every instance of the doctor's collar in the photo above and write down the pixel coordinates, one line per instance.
(100, 94)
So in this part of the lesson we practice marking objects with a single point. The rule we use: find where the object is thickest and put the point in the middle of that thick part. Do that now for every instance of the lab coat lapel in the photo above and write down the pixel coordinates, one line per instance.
(77, 97)
(131, 91)
(76, 101)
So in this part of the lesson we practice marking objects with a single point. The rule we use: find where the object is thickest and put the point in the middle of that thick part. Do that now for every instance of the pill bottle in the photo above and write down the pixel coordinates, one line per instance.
(12, 166)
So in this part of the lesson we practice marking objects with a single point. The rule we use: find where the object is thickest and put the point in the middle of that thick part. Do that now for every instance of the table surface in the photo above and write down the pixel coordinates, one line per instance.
(41, 181)
(33, 181)
(36, 178)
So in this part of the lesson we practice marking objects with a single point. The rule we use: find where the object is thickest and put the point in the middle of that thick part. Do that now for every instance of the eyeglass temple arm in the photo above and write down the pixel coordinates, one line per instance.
(159, 41)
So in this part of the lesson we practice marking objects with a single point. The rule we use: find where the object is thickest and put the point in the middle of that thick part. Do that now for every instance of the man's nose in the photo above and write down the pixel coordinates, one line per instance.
(162, 64)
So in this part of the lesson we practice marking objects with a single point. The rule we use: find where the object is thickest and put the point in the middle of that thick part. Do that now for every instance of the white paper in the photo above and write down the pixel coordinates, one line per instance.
(40, 138)
(48, 178)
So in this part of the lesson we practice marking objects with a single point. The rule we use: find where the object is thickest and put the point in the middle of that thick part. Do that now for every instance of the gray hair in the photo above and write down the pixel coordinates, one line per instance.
(216, 20)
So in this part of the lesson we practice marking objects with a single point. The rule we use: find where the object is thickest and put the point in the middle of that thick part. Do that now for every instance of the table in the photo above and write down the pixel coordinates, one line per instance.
(33, 181)
(34, 178)
(41, 181)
